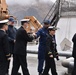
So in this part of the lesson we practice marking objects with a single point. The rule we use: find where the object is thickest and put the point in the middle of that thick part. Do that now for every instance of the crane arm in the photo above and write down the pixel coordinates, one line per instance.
(34, 24)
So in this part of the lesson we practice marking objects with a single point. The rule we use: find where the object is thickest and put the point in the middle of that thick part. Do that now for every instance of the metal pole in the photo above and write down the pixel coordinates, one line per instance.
(61, 53)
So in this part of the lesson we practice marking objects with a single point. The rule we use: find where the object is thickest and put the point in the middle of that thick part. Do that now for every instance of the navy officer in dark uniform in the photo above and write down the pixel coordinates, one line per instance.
(51, 52)
(20, 53)
(74, 53)
(42, 33)
(4, 47)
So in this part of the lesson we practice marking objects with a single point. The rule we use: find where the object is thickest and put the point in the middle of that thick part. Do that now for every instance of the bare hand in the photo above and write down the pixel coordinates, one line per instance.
(14, 41)
(51, 56)
(34, 34)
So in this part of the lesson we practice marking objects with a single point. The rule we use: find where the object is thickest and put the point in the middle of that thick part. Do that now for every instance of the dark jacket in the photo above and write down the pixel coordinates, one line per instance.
(4, 46)
(74, 46)
(11, 36)
(51, 46)
(21, 41)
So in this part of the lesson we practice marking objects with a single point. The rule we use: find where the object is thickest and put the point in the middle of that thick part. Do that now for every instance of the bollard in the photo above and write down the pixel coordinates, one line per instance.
(69, 64)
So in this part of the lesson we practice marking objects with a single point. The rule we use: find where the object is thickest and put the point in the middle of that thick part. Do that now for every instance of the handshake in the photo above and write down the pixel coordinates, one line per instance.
(33, 35)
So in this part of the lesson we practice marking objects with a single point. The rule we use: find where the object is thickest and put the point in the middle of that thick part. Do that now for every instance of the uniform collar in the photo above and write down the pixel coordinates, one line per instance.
(2, 30)
(11, 26)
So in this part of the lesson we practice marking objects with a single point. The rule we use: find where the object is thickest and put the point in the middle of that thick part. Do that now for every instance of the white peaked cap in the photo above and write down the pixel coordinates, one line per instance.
(52, 28)
(25, 20)
(4, 21)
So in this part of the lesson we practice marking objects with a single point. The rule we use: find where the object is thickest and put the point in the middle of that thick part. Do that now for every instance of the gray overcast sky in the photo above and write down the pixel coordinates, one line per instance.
(53, 0)
(26, 2)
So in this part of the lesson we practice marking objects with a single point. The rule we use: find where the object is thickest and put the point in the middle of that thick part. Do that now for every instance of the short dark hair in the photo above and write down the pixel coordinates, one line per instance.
(22, 23)
(1, 25)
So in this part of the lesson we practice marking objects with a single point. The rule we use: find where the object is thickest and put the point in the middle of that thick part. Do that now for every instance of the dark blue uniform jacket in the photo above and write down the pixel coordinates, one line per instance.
(11, 36)
(42, 33)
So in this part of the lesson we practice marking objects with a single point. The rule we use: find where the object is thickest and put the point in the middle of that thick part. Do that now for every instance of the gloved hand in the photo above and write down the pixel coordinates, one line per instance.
(57, 57)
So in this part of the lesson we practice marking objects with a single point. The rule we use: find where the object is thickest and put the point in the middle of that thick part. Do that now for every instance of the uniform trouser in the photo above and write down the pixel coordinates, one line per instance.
(74, 69)
(3, 67)
(50, 64)
(40, 65)
(19, 60)
(8, 64)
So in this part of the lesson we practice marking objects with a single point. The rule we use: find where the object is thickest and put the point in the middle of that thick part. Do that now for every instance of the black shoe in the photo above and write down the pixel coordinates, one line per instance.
(40, 73)
(6, 74)
(45, 74)
(19, 74)
(48, 74)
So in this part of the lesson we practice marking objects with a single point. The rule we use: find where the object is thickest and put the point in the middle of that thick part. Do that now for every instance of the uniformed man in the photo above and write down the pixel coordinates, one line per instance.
(11, 33)
(51, 52)
(11, 37)
(20, 53)
(42, 33)
(4, 47)
(74, 53)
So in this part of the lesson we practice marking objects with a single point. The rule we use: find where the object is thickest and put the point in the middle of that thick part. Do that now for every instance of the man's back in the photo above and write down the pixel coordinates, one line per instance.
(74, 46)
(4, 46)
(21, 41)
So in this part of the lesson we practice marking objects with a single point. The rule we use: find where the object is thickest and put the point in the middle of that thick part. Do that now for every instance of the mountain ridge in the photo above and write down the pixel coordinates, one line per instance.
(38, 10)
